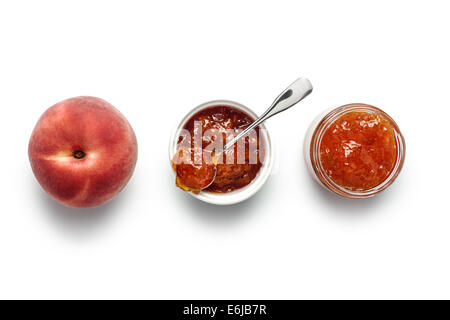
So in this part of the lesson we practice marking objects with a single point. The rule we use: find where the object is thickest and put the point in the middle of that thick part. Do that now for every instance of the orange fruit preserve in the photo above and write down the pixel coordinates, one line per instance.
(233, 172)
(358, 150)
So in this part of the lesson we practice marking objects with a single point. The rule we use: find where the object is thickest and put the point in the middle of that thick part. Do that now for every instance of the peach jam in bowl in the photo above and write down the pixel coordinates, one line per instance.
(244, 168)
(355, 151)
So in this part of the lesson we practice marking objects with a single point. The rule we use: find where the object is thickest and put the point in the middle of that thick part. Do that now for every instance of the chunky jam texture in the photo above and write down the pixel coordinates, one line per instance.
(358, 151)
(234, 169)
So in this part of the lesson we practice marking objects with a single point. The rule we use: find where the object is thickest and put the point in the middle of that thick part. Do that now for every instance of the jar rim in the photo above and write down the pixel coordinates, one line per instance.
(314, 151)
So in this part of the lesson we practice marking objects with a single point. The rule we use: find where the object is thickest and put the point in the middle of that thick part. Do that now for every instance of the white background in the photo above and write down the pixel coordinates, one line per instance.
(157, 60)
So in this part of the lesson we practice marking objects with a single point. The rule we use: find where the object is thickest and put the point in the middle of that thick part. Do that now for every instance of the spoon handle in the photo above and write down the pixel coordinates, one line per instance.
(298, 90)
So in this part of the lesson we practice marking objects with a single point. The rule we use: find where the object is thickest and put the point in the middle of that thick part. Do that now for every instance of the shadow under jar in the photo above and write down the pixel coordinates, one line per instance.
(355, 151)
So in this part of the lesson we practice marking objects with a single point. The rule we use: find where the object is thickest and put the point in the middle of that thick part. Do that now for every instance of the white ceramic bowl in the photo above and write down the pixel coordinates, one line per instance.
(239, 194)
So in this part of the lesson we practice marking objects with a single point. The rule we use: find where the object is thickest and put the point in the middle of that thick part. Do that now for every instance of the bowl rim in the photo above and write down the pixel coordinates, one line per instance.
(243, 193)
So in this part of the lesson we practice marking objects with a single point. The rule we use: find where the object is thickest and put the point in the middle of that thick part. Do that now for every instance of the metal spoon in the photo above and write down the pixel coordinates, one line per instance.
(293, 94)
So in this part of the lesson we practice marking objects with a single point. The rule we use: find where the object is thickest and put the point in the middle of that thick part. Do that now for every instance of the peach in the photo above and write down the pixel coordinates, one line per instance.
(83, 151)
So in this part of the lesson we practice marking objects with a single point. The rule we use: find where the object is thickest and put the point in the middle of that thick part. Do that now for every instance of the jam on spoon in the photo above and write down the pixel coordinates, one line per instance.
(191, 176)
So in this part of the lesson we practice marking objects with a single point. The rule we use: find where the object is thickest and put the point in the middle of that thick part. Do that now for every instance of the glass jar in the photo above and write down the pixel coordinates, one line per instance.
(314, 154)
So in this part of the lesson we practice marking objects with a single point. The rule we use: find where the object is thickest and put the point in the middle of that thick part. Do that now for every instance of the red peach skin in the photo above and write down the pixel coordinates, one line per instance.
(83, 151)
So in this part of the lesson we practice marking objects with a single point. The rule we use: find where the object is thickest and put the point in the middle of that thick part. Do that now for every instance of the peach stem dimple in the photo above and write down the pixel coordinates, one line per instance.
(79, 154)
